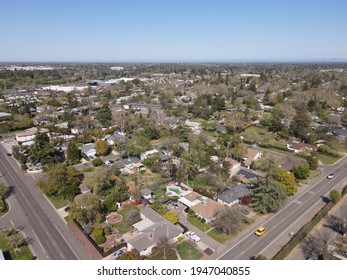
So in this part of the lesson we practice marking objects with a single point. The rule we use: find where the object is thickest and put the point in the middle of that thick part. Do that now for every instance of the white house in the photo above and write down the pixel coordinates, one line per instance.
(89, 150)
(193, 125)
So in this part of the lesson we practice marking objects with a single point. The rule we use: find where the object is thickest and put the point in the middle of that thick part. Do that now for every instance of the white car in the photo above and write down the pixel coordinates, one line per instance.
(330, 176)
(193, 236)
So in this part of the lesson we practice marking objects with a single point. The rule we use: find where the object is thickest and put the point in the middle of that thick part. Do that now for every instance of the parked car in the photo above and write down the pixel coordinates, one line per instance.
(109, 162)
(260, 231)
(118, 253)
(330, 176)
(174, 205)
(9, 154)
(193, 236)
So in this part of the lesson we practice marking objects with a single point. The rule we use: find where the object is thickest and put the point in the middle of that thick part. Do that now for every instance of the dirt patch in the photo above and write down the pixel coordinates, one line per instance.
(114, 218)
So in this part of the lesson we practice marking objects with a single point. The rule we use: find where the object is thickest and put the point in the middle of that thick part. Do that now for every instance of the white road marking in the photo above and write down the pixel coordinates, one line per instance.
(66, 241)
(39, 242)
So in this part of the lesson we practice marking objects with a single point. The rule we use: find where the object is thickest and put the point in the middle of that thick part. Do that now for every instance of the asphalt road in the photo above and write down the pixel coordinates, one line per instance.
(282, 225)
(29, 209)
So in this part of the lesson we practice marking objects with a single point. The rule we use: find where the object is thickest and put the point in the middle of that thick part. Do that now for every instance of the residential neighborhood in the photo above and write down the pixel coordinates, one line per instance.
(172, 161)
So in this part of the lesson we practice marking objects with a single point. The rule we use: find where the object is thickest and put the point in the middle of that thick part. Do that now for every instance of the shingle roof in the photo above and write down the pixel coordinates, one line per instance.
(234, 193)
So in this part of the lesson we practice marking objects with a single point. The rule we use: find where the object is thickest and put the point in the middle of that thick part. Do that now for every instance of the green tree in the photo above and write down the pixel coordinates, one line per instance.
(3, 190)
(172, 217)
(87, 209)
(42, 150)
(110, 202)
(104, 115)
(102, 148)
(301, 171)
(73, 154)
(335, 196)
(300, 125)
(97, 161)
(61, 180)
(312, 160)
(138, 146)
(268, 195)
(286, 181)
(101, 179)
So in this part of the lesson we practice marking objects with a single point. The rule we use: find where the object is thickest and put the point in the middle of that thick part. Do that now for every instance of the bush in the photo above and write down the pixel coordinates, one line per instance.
(335, 196)
(180, 238)
(97, 162)
(98, 235)
(246, 200)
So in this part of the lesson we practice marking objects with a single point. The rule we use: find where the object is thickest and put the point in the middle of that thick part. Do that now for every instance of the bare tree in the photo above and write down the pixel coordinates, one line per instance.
(316, 246)
(165, 244)
(229, 221)
(337, 224)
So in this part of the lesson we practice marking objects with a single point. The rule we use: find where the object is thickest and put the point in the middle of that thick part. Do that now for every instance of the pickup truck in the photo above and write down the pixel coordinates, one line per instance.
(193, 236)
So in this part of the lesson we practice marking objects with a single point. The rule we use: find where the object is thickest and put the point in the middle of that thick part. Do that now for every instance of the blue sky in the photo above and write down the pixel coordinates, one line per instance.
(172, 30)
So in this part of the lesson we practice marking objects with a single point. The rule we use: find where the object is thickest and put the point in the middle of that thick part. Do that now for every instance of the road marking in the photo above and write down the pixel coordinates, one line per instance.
(294, 201)
(66, 241)
(12, 223)
(311, 192)
(33, 177)
(289, 226)
(39, 242)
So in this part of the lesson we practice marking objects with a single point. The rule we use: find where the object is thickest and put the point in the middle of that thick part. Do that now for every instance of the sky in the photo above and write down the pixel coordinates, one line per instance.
(173, 30)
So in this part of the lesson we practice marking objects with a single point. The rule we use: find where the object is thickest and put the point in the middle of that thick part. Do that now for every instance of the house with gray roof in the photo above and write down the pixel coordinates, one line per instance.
(128, 164)
(153, 230)
(89, 150)
(233, 195)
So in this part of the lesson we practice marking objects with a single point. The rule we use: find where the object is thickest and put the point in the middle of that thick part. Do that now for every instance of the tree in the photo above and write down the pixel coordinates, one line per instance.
(337, 224)
(229, 221)
(335, 196)
(131, 255)
(3, 190)
(268, 195)
(104, 115)
(101, 179)
(102, 148)
(300, 125)
(315, 246)
(110, 202)
(42, 150)
(97, 161)
(172, 217)
(86, 210)
(286, 181)
(133, 217)
(61, 180)
(301, 171)
(73, 154)
(138, 146)
(312, 160)
(135, 194)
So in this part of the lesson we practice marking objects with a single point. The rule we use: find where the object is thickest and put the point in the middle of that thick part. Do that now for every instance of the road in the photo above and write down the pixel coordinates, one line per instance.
(282, 225)
(51, 239)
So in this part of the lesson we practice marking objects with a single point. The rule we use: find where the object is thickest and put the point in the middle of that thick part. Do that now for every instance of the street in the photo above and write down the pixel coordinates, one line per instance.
(282, 225)
(30, 210)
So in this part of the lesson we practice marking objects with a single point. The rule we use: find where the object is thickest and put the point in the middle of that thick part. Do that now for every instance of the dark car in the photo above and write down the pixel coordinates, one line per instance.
(9, 154)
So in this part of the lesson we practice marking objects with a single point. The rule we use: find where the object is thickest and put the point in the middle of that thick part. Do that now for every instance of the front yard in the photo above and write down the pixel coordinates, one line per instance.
(188, 252)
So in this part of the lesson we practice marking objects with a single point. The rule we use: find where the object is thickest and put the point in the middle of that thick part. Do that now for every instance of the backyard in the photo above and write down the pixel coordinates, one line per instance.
(125, 224)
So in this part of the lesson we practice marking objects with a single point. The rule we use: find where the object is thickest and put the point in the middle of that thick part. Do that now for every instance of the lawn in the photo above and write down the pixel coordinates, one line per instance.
(123, 226)
(198, 223)
(218, 235)
(198, 182)
(3, 207)
(326, 159)
(188, 252)
(23, 253)
(171, 255)
(287, 153)
(146, 179)
(58, 201)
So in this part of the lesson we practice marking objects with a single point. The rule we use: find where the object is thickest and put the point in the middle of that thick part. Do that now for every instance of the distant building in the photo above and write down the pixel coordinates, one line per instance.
(252, 155)
(233, 195)
(4, 115)
(297, 147)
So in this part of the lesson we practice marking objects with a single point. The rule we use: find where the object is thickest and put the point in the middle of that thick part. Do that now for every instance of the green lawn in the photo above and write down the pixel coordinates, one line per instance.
(123, 226)
(198, 223)
(3, 207)
(218, 235)
(159, 192)
(58, 201)
(287, 153)
(188, 252)
(171, 255)
(326, 159)
(198, 182)
(23, 253)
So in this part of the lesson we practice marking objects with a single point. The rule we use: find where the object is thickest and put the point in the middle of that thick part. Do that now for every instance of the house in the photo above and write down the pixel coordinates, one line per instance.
(233, 195)
(190, 199)
(153, 230)
(162, 156)
(207, 209)
(247, 176)
(288, 163)
(193, 125)
(234, 165)
(220, 128)
(4, 115)
(113, 139)
(29, 134)
(146, 193)
(130, 165)
(252, 155)
(298, 147)
(340, 132)
(89, 150)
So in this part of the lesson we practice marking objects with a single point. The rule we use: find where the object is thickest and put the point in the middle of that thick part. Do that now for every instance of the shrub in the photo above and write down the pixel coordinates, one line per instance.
(98, 235)
(335, 196)
(246, 200)
(97, 162)
(100, 239)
